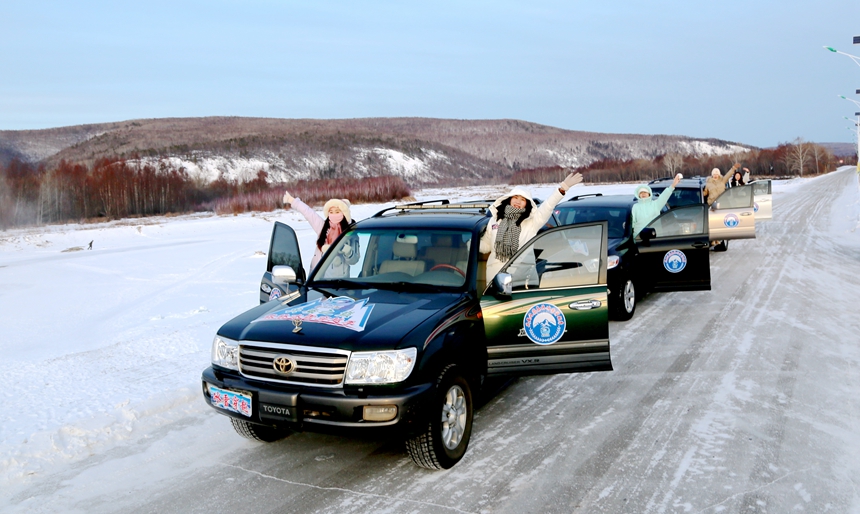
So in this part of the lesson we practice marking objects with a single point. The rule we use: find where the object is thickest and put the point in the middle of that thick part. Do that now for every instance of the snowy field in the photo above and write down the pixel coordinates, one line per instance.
(106, 346)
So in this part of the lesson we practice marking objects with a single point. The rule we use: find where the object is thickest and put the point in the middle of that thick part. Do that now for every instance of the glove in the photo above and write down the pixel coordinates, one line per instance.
(346, 249)
(571, 180)
(288, 198)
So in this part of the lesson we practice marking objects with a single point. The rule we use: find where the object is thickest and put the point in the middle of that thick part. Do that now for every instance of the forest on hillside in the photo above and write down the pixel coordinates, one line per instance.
(117, 188)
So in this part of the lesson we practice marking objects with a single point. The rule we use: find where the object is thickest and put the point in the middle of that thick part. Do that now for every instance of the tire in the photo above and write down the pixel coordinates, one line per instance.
(256, 432)
(446, 438)
(623, 300)
(722, 246)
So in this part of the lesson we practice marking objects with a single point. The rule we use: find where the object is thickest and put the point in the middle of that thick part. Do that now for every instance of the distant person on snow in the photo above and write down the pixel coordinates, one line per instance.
(716, 183)
(336, 221)
(646, 209)
(514, 219)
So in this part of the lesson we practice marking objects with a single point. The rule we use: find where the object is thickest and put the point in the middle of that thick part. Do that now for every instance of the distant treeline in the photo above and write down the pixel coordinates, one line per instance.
(787, 160)
(115, 188)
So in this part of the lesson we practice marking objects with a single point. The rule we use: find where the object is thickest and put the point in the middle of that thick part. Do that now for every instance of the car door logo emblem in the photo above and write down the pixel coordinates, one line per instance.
(731, 220)
(674, 261)
(276, 293)
(544, 323)
(755, 206)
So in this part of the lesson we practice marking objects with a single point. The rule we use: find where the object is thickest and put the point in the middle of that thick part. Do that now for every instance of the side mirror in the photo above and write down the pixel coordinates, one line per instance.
(283, 275)
(502, 284)
(648, 234)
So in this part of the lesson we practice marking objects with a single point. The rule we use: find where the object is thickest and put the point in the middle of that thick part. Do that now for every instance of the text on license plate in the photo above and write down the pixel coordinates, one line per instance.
(233, 401)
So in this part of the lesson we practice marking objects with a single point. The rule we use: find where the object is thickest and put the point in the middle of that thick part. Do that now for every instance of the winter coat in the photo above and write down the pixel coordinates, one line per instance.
(528, 227)
(645, 210)
(717, 186)
(317, 222)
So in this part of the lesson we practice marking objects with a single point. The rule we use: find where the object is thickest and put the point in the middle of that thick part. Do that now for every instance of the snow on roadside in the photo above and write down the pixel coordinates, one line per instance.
(104, 346)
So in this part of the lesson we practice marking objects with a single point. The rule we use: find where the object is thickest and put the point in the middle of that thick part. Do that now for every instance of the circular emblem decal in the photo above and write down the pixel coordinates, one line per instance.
(731, 220)
(544, 323)
(276, 293)
(674, 261)
(283, 365)
(755, 206)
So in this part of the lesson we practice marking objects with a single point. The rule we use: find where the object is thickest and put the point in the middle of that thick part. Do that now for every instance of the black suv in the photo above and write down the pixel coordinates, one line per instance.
(671, 255)
(404, 336)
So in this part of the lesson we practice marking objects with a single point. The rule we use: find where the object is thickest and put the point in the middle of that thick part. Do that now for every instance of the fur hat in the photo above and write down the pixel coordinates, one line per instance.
(343, 205)
(717, 171)
(641, 188)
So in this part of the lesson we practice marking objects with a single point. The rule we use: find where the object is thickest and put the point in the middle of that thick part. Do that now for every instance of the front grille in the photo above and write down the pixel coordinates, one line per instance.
(313, 366)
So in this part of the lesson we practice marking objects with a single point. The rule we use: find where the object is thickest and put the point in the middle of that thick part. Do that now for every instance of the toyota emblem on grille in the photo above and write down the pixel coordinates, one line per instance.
(283, 365)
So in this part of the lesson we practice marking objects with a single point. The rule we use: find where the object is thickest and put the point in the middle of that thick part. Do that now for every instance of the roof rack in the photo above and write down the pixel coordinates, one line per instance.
(590, 195)
(428, 205)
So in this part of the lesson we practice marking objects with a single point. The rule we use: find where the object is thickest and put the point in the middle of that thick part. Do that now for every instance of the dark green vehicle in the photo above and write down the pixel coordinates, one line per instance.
(412, 332)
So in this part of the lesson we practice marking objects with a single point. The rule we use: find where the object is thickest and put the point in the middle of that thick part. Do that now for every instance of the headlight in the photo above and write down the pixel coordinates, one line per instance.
(225, 353)
(612, 261)
(380, 367)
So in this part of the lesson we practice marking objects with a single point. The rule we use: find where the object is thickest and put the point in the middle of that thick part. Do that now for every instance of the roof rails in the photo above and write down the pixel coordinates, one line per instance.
(590, 195)
(435, 205)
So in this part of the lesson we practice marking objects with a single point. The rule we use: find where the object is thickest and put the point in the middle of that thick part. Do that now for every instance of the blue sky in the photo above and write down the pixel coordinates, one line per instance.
(748, 71)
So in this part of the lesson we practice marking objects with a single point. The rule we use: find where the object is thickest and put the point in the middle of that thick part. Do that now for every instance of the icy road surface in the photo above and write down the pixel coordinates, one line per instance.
(741, 399)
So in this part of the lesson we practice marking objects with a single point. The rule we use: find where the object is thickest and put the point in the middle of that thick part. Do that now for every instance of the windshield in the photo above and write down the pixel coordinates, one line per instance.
(680, 196)
(398, 259)
(616, 216)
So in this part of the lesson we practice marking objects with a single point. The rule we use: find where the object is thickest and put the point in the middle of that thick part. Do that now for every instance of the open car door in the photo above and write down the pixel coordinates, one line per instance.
(283, 251)
(677, 257)
(551, 314)
(762, 199)
(732, 215)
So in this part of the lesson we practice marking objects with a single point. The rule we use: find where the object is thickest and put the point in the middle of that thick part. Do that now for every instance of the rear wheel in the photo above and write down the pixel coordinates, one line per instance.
(446, 437)
(258, 432)
(623, 301)
(722, 246)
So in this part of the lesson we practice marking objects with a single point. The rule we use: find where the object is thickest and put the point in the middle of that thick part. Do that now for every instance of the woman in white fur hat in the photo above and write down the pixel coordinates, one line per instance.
(336, 220)
(516, 219)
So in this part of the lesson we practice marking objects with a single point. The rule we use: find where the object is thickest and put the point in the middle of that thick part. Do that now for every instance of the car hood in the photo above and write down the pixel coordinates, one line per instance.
(354, 320)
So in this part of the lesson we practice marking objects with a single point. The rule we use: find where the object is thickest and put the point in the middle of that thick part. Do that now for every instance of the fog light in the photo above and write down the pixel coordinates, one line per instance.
(379, 412)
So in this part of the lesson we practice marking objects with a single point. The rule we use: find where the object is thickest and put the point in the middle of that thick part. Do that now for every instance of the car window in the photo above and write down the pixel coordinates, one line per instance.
(761, 188)
(680, 196)
(559, 259)
(735, 198)
(680, 221)
(616, 216)
(391, 256)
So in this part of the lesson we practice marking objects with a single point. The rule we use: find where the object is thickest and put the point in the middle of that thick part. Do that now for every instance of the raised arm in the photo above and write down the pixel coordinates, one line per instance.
(313, 218)
(731, 173)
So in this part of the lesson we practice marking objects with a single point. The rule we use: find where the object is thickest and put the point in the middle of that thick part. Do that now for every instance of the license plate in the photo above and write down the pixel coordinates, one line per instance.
(233, 401)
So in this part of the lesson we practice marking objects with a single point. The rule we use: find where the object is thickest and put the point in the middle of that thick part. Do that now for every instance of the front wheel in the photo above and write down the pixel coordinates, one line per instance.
(446, 437)
(258, 432)
(623, 301)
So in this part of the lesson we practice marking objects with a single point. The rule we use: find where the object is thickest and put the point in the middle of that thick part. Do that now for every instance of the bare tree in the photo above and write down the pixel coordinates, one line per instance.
(673, 163)
(798, 156)
(823, 158)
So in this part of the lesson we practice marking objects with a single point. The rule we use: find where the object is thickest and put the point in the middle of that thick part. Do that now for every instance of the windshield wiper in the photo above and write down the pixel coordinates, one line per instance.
(420, 286)
(341, 283)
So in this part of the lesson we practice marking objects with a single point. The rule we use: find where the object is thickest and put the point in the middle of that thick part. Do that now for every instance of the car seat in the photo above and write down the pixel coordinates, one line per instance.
(404, 260)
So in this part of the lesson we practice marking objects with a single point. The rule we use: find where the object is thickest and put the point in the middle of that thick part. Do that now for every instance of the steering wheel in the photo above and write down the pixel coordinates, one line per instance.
(448, 266)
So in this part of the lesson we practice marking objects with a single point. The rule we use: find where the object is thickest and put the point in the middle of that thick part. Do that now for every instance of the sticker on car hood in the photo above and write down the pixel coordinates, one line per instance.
(339, 311)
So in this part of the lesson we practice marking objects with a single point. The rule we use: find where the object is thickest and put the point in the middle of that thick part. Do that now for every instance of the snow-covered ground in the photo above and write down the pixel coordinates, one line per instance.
(105, 346)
